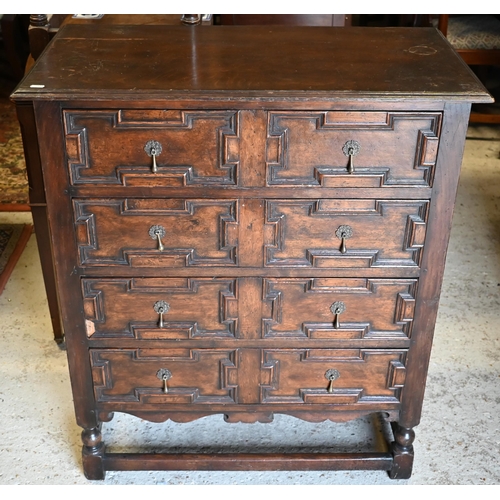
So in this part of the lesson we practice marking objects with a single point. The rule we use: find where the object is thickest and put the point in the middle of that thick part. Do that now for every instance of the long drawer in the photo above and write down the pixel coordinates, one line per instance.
(267, 376)
(321, 233)
(168, 148)
(249, 308)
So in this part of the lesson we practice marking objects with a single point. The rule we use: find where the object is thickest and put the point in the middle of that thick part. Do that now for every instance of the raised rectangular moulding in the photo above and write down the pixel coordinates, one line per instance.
(352, 149)
(138, 378)
(161, 308)
(355, 310)
(345, 233)
(348, 377)
(152, 147)
(164, 376)
(137, 232)
(339, 309)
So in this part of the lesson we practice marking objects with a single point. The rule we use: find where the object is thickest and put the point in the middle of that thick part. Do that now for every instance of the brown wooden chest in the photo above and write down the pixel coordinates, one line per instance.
(247, 221)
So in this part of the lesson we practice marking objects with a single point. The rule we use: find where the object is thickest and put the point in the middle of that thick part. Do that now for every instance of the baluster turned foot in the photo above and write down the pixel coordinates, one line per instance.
(402, 451)
(92, 453)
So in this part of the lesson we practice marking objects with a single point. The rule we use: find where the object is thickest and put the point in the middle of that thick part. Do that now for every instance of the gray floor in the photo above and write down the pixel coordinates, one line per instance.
(457, 442)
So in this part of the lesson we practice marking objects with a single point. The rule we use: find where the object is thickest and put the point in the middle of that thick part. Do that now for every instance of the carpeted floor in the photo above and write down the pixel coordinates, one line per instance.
(13, 240)
(13, 178)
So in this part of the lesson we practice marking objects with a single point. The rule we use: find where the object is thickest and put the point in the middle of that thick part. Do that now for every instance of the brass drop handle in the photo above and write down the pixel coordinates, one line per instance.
(343, 233)
(337, 309)
(351, 149)
(157, 233)
(161, 307)
(164, 375)
(153, 149)
(331, 375)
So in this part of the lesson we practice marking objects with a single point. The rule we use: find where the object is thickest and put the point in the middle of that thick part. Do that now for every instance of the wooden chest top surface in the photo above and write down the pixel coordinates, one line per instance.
(101, 62)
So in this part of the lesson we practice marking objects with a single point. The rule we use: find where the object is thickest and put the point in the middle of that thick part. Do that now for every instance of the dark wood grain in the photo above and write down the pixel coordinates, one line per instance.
(59, 212)
(26, 119)
(195, 148)
(305, 233)
(365, 377)
(197, 376)
(42, 233)
(297, 307)
(395, 149)
(433, 261)
(246, 462)
(195, 233)
(38, 205)
(198, 308)
(93, 61)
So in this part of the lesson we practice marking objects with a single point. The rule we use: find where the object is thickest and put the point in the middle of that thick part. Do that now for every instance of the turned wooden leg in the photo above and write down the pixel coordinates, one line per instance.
(92, 453)
(402, 451)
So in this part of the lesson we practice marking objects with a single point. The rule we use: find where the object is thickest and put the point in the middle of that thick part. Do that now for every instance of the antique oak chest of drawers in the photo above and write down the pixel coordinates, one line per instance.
(245, 222)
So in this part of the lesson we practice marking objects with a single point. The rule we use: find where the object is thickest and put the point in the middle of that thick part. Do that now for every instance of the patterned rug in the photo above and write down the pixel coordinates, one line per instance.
(13, 240)
(13, 178)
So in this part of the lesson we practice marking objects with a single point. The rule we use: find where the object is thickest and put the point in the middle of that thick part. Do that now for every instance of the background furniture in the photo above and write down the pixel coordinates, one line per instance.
(477, 39)
(43, 27)
(13, 36)
(244, 224)
(284, 19)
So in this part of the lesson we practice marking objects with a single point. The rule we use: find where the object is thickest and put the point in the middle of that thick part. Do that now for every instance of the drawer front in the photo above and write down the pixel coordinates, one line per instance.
(164, 376)
(210, 376)
(387, 149)
(338, 308)
(336, 233)
(156, 232)
(161, 308)
(110, 147)
(324, 376)
(249, 308)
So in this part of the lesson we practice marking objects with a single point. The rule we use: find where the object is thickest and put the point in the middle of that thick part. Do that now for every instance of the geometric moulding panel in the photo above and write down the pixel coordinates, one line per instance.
(190, 308)
(393, 149)
(107, 147)
(360, 376)
(369, 308)
(307, 233)
(156, 232)
(194, 376)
